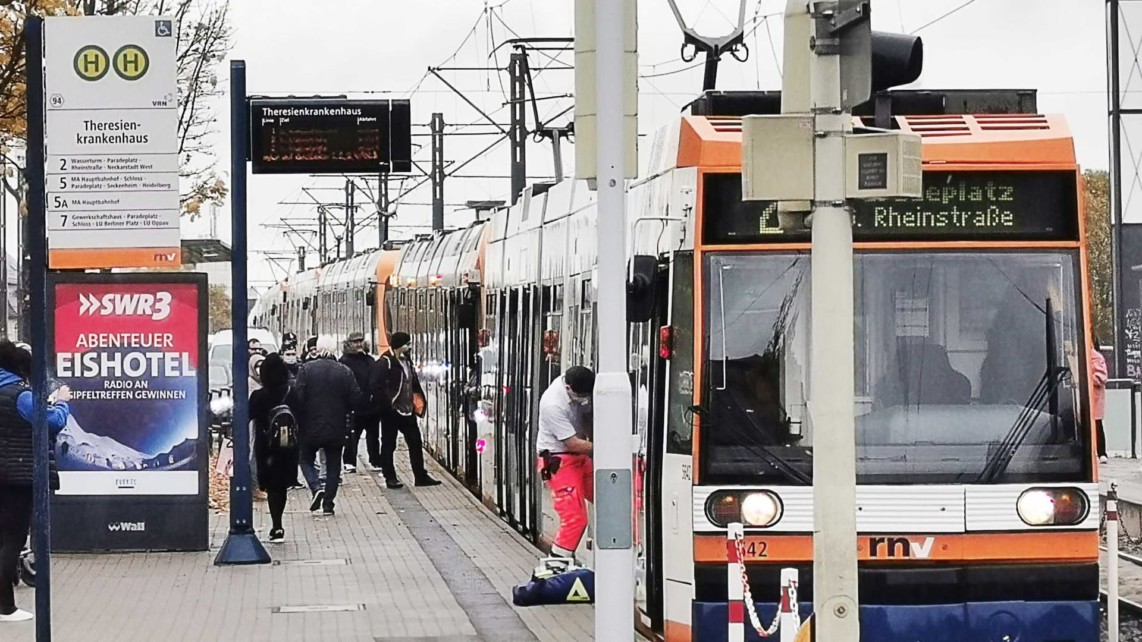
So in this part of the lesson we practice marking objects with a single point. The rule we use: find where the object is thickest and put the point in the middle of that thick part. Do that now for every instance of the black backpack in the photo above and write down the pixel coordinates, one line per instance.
(282, 427)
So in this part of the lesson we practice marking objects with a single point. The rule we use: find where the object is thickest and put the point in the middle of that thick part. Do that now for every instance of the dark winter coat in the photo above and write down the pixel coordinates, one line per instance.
(277, 469)
(16, 445)
(386, 380)
(362, 366)
(327, 394)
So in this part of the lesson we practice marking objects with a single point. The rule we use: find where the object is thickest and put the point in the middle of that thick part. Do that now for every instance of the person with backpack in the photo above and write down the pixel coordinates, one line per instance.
(275, 431)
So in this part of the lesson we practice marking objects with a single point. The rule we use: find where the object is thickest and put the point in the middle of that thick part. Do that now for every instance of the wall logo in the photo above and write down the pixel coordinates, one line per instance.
(91, 63)
(131, 62)
(157, 305)
(165, 257)
(131, 527)
(900, 547)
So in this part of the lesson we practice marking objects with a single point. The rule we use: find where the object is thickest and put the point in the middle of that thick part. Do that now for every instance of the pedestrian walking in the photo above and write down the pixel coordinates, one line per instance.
(564, 454)
(1099, 374)
(16, 455)
(325, 395)
(365, 421)
(397, 398)
(275, 438)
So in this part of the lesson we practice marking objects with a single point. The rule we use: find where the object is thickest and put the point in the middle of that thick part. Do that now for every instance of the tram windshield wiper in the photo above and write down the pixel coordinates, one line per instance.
(1045, 393)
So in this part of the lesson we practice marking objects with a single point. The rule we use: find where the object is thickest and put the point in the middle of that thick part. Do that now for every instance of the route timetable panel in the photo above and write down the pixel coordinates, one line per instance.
(330, 136)
(956, 206)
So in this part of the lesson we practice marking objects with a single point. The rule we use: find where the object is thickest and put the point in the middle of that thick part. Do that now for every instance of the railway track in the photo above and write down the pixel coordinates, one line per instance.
(1129, 599)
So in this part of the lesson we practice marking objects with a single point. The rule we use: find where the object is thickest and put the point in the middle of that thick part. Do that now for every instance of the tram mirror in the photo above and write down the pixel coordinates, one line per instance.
(640, 289)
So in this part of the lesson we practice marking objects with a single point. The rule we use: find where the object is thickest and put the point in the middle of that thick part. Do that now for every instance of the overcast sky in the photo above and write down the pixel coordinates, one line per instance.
(363, 48)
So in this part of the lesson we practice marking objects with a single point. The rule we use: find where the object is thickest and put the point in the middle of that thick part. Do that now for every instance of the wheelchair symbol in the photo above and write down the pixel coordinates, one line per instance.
(163, 29)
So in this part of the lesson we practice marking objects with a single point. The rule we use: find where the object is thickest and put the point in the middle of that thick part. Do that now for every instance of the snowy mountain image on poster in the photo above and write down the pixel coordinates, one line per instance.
(79, 450)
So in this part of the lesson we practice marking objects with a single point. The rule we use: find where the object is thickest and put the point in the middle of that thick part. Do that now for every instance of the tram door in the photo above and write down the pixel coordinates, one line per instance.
(465, 377)
(510, 445)
(650, 407)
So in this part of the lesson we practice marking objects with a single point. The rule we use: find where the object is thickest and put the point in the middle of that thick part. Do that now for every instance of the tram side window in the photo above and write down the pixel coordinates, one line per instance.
(680, 390)
(754, 376)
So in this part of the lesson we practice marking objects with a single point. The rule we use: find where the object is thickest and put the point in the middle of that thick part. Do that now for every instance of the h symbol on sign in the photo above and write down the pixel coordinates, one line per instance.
(131, 61)
(92, 62)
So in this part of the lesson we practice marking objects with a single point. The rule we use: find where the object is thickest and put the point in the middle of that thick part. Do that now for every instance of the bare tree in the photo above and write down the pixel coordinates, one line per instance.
(203, 33)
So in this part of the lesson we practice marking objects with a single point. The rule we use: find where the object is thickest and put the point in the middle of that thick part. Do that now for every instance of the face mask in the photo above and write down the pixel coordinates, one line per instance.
(290, 359)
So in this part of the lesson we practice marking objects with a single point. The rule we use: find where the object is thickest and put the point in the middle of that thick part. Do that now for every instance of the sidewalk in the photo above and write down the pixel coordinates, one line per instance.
(413, 564)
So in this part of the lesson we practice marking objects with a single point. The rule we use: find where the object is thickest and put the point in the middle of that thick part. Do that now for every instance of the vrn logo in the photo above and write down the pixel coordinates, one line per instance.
(157, 305)
(900, 547)
(127, 526)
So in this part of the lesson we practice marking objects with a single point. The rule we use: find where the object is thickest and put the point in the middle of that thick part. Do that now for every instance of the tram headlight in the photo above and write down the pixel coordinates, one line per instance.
(221, 405)
(760, 509)
(1052, 506)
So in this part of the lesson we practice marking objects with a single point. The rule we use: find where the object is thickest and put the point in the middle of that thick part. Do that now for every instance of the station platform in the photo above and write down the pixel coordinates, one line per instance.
(410, 564)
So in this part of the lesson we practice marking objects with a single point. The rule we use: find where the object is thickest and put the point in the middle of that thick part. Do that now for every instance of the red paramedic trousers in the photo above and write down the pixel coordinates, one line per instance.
(571, 487)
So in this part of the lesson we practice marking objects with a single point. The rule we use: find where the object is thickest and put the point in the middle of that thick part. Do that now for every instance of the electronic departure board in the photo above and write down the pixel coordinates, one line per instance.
(330, 136)
(956, 206)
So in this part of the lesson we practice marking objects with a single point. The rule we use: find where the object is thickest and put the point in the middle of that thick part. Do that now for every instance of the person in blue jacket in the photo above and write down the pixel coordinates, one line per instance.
(16, 455)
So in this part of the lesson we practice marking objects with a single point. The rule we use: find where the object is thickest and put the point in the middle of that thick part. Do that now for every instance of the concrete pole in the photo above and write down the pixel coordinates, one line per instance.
(831, 401)
(614, 557)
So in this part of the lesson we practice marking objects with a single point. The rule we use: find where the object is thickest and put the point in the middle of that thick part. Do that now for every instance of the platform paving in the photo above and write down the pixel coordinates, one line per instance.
(413, 564)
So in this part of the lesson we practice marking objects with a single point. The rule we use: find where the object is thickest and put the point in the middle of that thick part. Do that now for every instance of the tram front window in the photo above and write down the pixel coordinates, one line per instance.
(968, 368)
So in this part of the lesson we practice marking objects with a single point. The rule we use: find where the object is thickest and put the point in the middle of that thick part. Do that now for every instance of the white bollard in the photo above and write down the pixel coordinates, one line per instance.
(734, 570)
(1112, 560)
(788, 613)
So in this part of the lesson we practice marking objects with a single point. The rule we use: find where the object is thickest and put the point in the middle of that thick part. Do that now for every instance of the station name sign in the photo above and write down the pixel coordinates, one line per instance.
(330, 136)
(955, 206)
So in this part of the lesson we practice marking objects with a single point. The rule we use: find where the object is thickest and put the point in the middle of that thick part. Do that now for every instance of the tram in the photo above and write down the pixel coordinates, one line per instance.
(977, 498)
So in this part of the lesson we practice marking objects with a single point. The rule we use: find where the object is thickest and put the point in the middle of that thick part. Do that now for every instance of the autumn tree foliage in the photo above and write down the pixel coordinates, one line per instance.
(1098, 230)
(203, 33)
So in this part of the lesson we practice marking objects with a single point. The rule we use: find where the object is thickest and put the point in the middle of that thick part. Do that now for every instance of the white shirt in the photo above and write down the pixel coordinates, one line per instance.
(559, 418)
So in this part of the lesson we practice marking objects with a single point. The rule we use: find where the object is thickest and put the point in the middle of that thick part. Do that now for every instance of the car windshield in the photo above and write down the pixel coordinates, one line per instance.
(968, 367)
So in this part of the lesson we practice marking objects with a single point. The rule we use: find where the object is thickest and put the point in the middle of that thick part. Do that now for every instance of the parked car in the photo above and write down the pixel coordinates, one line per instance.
(221, 401)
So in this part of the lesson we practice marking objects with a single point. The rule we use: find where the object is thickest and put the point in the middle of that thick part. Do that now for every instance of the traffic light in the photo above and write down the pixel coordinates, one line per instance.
(897, 59)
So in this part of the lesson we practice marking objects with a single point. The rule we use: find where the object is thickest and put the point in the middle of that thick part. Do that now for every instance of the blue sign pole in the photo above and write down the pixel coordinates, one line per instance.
(241, 545)
(38, 251)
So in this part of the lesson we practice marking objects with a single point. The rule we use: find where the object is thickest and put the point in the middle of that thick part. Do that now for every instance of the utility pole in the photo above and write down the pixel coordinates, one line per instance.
(437, 127)
(517, 133)
(606, 44)
(350, 218)
(322, 235)
(4, 245)
(382, 210)
(1114, 13)
(809, 160)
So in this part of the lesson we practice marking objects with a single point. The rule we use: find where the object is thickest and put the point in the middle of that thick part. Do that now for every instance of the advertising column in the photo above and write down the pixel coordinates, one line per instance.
(133, 456)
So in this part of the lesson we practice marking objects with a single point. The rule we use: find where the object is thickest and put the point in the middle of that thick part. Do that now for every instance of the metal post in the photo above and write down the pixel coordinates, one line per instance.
(350, 218)
(241, 545)
(517, 69)
(831, 399)
(614, 558)
(735, 622)
(37, 265)
(1112, 560)
(1115, 95)
(383, 209)
(4, 245)
(437, 126)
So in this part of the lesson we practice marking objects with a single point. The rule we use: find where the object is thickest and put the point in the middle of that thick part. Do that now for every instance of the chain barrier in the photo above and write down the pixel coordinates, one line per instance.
(739, 542)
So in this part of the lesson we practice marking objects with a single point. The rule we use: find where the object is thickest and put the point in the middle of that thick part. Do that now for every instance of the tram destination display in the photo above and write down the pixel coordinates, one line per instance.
(956, 206)
(133, 457)
(330, 136)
